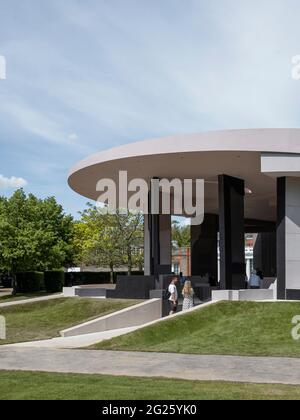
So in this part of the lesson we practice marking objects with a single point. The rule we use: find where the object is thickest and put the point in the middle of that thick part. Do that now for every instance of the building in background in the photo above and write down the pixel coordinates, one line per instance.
(181, 258)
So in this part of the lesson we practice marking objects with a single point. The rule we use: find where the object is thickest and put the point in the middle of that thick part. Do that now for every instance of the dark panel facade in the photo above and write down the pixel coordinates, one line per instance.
(281, 231)
(132, 287)
(154, 243)
(232, 231)
(292, 294)
(204, 245)
(264, 254)
(154, 234)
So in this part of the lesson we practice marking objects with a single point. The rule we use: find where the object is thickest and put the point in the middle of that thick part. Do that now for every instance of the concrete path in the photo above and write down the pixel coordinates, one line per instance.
(73, 342)
(32, 300)
(192, 367)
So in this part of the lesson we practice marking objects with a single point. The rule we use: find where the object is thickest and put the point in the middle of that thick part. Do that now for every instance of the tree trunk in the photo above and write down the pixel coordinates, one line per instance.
(14, 283)
(111, 273)
(129, 256)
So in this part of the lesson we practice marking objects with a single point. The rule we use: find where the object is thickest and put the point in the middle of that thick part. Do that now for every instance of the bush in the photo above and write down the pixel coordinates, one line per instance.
(6, 281)
(29, 281)
(54, 281)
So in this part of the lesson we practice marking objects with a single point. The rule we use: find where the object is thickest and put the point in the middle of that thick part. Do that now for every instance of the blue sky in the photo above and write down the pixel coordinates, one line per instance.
(83, 76)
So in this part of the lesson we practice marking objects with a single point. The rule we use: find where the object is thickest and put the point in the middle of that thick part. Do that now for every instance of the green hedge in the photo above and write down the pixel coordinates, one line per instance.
(92, 277)
(6, 281)
(54, 281)
(29, 281)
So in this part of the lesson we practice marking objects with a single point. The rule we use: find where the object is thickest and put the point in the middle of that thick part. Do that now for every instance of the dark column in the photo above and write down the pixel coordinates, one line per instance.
(232, 233)
(281, 237)
(204, 245)
(264, 253)
(154, 235)
(154, 243)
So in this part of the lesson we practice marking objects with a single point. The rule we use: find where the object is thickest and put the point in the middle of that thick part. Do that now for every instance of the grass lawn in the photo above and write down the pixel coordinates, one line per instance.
(42, 320)
(57, 386)
(23, 296)
(228, 328)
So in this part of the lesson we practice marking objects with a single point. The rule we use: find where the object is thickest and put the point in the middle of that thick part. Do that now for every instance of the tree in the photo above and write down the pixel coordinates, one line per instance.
(35, 234)
(131, 234)
(109, 240)
(181, 234)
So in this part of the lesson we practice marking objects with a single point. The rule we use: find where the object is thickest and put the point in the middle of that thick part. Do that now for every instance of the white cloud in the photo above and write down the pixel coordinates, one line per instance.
(12, 182)
(72, 137)
(32, 120)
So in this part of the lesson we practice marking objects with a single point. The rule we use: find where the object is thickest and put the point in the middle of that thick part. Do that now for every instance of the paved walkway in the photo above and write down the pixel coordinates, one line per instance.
(77, 341)
(222, 368)
(31, 300)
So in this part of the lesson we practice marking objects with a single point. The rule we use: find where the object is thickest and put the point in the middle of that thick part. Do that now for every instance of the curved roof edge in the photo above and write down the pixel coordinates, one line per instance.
(273, 140)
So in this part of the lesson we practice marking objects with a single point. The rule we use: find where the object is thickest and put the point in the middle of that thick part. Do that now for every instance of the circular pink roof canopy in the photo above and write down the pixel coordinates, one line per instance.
(201, 155)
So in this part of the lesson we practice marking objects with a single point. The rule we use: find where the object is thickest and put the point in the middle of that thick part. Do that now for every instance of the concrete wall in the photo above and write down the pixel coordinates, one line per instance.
(84, 292)
(250, 295)
(243, 295)
(292, 226)
(135, 315)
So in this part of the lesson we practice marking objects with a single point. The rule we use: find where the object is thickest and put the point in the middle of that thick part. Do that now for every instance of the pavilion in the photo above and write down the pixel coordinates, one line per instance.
(252, 185)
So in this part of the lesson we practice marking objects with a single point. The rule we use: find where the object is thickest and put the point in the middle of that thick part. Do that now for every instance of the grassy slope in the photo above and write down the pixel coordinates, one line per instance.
(52, 386)
(42, 320)
(20, 296)
(236, 328)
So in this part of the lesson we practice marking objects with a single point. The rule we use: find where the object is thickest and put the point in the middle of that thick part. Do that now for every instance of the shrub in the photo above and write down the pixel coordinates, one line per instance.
(54, 281)
(6, 281)
(29, 281)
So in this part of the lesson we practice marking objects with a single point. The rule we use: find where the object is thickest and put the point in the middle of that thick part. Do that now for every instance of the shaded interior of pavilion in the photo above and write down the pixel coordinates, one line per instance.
(217, 248)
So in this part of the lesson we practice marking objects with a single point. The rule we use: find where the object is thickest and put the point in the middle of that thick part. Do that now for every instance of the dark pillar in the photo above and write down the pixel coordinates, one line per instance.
(154, 243)
(281, 238)
(204, 245)
(154, 233)
(264, 253)
(232, 233)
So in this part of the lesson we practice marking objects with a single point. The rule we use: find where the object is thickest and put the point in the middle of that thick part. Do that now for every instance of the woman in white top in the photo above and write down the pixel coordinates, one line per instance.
(188, 296)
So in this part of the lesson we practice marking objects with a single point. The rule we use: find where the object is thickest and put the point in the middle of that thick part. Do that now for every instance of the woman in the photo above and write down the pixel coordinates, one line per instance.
(188, 296)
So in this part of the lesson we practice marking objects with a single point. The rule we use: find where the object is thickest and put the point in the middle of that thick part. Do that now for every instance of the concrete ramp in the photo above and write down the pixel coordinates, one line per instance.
(74, 342)
(133, 316)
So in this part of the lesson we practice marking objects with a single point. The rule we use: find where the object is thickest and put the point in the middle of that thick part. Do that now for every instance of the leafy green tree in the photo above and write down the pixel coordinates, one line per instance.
(35, 234)
(181, 234)
(109, 240)
(131, 237)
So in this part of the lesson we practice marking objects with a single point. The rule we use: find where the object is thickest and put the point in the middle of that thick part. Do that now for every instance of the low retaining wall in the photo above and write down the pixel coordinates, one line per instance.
(132, 287)
(84, 291)
(139, 314)
(243, 295)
